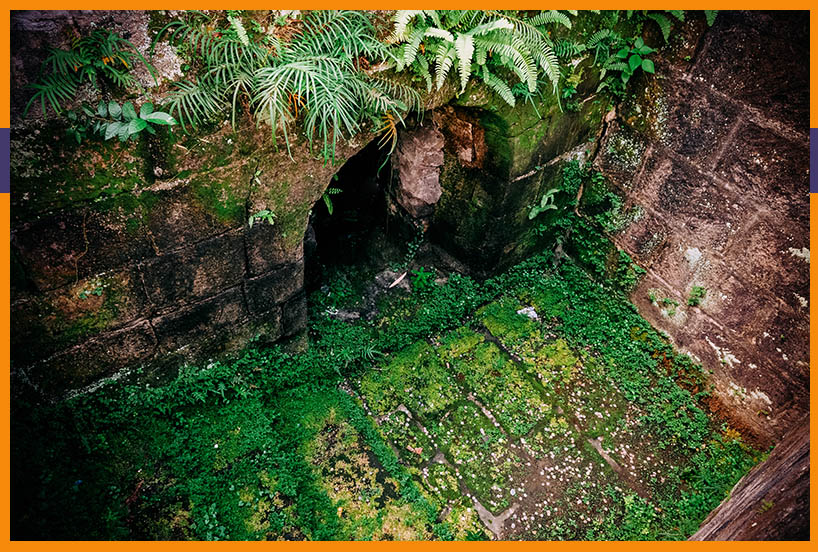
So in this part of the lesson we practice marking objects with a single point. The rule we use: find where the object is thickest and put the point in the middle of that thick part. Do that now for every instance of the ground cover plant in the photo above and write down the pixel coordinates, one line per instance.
(536, 404)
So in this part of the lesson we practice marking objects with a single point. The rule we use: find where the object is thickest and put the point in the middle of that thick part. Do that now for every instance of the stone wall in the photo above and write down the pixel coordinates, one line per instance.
(140, 254)
(712, 160)
(470, 173)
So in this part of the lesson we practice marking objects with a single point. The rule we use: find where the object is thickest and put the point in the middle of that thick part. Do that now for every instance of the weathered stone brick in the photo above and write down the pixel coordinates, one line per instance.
(202, 326)
(199, 271)
(99, 357)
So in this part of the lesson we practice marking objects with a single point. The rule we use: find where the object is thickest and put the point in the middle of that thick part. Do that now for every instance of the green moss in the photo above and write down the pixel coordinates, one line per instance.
(62, 319)
(458, 342)
(480, 452)
(417, 371)
(220, 196)
(502, 320)
(412, 444)
(493, 377)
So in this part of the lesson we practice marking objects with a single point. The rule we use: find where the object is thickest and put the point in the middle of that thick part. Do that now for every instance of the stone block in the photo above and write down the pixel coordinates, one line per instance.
(59, 249)
(100, 357)
(267, 291)
(761, 59)
(620, 154)
(687, 120)
(46, 323)
(268, 249)
(203, 326)
(294, 315)
(178, 220)
(770, 170)
(774, 257)
(199, 271)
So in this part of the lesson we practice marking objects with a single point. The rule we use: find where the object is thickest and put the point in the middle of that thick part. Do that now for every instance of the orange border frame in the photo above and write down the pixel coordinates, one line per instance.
(369, 4)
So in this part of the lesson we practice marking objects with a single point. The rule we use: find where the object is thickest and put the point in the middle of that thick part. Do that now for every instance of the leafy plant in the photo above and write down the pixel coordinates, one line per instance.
(422, 280)
(697, 293)
(102, 57)
(331, 191)
(318, 77)
(626, 61)
(112, 119)
(264, 215)
(661, 19)
(487, 43)
(546, 203)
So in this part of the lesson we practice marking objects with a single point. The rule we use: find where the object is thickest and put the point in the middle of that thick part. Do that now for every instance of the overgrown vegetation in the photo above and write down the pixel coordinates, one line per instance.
(260, 446)
(393, 427)
(103, 59)
(321, 76)
(335, 74)
(433, 43)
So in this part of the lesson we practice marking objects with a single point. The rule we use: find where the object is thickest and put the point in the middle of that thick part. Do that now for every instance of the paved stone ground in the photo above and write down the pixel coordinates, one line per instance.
(504, 421)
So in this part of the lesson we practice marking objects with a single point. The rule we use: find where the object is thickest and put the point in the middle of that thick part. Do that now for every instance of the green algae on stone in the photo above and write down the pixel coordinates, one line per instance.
(503, 321)
(416, 377)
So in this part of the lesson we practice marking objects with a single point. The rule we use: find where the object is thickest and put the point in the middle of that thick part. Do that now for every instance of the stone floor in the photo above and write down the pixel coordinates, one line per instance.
(503, 421)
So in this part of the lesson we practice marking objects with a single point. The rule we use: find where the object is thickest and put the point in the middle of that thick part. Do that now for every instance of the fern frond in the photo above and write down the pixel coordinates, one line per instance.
(598, 36)
(432, 14)
(412, 47)
(678, 14)
(496, 25)
(421, 69)
(337, 32)
(710, 16)
(238, 27)
(551, 16)
(464, 45)
(402, 19)
(64, 61)
(568, 48)
(443, 63)
(399, 91)
(663, 22)
(194, 104)
(498, 85)
(513, 48)
(439, 33)
(54, 90)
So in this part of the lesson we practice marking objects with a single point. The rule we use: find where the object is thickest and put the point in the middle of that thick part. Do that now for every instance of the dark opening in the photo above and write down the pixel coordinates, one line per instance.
(351, 216)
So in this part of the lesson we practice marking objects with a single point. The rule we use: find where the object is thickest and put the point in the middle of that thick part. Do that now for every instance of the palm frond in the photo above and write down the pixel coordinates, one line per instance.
(193, 104)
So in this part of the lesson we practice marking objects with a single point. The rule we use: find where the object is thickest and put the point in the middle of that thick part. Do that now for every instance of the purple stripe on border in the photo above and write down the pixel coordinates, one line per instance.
(5, 152)
(813, 160)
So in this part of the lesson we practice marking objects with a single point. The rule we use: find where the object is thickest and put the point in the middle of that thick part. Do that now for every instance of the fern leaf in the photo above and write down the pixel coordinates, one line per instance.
(551, 16)
(422, 70)
(237, 25)
(55, 90)
(412, 47)
(678, 14)
(480, 55)
(496, 25)
(465, 50)
(443, 63)
(663, 22)
(710, 15)
(498, 85)
(439, 33)
(434, 17)
(402, 19)
(598, 36)
(193, 104)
